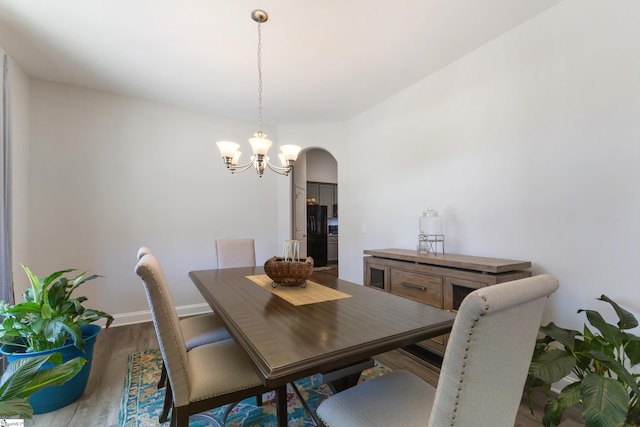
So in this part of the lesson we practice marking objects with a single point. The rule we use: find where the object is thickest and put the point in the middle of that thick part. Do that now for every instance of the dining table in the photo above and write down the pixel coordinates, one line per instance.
(327, 326)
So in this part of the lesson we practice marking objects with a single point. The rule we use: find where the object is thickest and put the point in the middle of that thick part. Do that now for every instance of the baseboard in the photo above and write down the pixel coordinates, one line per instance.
(123, 319)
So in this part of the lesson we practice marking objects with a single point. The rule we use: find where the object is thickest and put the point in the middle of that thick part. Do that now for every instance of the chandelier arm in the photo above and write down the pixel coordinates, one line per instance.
(282, 171)
(242, 168)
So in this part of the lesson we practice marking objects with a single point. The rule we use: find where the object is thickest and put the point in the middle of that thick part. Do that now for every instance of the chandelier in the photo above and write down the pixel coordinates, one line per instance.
(259, 143)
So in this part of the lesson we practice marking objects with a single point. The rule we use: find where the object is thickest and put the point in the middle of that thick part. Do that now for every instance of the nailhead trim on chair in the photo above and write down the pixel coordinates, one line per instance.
(173, 335)
(464, 364)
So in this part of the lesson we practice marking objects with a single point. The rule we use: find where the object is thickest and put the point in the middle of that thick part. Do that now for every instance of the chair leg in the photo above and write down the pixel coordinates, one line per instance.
(180, 417)
(259, 399)
(163, 377)
(168, 401)
(227, 412)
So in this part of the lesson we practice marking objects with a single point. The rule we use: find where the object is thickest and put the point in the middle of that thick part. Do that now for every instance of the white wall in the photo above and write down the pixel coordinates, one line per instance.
(321, 166)
(529, 147)
(110, 173)
(19, 96)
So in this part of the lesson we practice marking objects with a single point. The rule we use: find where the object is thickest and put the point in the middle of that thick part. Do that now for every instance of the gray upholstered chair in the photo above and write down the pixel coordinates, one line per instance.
(233, 253)
(208, 376)
(483, 372)
(196, 331)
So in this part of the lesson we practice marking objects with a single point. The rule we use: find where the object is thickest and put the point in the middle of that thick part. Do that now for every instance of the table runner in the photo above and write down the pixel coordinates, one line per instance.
(297, 295)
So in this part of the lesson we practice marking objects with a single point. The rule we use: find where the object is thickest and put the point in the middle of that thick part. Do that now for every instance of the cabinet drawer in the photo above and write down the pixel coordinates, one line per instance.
(424, 288)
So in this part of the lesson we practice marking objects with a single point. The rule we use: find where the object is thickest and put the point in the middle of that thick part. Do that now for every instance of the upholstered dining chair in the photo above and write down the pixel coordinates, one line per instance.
(196, 330)
(233, 253)
(208, 376)
(483, 372)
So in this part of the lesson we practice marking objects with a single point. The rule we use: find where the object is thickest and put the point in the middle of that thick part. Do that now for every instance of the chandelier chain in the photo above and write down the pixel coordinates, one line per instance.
(259, 78)
(259, 144)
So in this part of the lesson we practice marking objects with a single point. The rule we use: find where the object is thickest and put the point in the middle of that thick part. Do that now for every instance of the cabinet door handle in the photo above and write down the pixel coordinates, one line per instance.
(411, 285)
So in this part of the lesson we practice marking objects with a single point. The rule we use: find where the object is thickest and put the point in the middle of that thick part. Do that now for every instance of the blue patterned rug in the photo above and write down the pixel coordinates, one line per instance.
(141, 402)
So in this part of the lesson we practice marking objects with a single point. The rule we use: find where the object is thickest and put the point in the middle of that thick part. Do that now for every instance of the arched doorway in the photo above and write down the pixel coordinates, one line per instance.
(316, 186)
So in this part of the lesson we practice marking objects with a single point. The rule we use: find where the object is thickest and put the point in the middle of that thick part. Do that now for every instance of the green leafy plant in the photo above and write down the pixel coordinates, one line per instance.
(49, 315)
(24, 377)
(602, 359)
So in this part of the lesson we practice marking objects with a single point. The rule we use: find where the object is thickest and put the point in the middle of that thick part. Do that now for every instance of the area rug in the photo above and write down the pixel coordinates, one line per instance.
(141, 402)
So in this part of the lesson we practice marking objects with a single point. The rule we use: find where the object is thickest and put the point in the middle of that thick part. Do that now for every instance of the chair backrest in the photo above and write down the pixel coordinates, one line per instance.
(489, 352)
(167, 325)
(144, 251)
(234, 253)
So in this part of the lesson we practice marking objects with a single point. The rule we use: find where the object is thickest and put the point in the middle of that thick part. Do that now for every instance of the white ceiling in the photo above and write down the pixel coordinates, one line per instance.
(322, 60)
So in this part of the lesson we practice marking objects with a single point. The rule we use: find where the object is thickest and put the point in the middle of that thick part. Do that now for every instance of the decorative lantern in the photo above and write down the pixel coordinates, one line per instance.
(431, 235)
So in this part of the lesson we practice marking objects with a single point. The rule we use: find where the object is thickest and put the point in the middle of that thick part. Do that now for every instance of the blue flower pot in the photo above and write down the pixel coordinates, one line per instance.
(55, 397)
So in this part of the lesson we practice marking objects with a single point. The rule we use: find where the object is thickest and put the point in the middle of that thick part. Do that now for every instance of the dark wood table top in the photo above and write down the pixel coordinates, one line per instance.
(287, 342)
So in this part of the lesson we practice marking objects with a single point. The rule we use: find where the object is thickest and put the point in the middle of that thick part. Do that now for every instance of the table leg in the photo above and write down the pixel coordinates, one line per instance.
(344, 378)
(281, 406)
(344, 383)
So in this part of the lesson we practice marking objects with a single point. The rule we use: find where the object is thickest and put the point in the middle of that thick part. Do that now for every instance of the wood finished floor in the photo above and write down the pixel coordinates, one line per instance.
(100, 404)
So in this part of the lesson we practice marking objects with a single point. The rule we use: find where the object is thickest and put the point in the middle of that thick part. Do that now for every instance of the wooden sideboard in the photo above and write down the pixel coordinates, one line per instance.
(438, 280)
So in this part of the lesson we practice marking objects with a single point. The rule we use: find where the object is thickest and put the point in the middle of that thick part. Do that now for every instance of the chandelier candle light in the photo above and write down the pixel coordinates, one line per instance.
(259, 143)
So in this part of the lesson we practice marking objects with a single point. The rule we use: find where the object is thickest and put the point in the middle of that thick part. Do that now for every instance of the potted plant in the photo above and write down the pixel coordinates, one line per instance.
(51, 320)
(601, 358)
(24, 377)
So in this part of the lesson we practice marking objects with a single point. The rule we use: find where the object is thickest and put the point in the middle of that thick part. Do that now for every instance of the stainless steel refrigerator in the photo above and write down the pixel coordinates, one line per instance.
(317, 234)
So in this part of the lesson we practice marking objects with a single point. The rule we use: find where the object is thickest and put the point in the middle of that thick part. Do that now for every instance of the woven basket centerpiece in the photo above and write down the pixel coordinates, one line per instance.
(288, 273)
